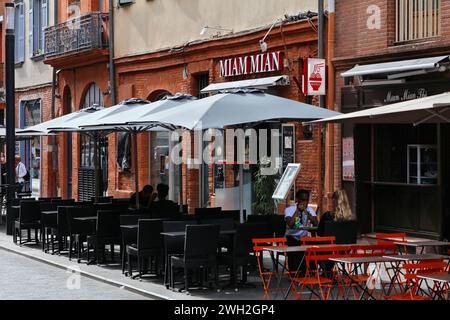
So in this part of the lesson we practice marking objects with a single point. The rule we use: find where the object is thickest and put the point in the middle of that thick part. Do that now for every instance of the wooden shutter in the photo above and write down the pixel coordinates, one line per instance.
(44, 23)
(31, 29)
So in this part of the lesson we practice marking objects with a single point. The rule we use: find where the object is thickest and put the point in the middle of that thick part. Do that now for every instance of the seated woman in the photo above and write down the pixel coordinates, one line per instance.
(146, 197)
(163, 208)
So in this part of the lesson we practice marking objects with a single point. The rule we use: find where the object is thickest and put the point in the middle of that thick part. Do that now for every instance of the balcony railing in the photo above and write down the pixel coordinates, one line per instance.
(84, 33)
(417, 19)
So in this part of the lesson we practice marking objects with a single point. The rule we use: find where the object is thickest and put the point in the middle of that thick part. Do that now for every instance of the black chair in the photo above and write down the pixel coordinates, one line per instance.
(278, 225)
(47, 223)
(208, 211)
(236, 214)
(49, 199)
(241, 254)
(344, 231)
(129, 235)
(165, 211)
(61, 232)
(79, 230)
(29, 218)
(63, 202)
(107, 232)
(198, 253)
(173, 245)
(102, 199)
(267, 220)
(149, 245)
(120, 204)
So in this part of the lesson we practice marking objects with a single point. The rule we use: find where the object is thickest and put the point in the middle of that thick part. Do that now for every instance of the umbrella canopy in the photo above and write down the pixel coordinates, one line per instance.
(22, 136)
(232, 109)
(125, 117)
(63, 123)
(433, 109)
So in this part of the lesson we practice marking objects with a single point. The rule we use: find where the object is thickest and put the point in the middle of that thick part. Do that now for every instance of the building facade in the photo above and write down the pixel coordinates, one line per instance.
(396, 175)
(34, 90)
(185, 56)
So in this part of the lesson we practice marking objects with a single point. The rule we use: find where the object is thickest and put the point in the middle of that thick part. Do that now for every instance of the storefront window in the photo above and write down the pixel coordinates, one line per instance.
(422, 164)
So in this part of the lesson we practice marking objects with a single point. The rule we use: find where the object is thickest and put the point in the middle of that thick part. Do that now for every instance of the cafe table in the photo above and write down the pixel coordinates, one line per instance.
(441, 285)
(423, 244)
(349, 266)
(89, 218)
(408, 258)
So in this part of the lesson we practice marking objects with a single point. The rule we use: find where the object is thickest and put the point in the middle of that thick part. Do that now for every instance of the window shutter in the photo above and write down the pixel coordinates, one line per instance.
(21, 49)
(44, 20)
(31, 29)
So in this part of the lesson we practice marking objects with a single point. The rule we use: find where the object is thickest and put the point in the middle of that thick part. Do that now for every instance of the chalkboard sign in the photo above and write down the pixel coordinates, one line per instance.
(288, 131)
(219, 176)
(287, 180)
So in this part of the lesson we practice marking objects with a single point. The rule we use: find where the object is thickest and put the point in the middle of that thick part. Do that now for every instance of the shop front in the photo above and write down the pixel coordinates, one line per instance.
(398, 174)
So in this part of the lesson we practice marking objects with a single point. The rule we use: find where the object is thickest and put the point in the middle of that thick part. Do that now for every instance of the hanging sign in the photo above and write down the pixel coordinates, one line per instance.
(314, 77)
(251, 64)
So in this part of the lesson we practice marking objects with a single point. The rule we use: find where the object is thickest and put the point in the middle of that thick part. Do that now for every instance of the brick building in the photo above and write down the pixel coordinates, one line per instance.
(385, 193)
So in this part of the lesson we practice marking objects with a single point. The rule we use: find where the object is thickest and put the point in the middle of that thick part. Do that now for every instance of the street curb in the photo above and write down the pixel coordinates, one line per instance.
(89, 275)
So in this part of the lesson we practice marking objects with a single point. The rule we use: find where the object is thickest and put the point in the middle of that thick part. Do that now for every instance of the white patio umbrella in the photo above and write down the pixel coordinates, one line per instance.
(123, 116)
(236, 108)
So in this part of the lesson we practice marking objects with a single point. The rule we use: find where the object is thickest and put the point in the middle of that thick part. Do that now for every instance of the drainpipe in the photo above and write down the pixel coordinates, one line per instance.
(52, 107)
(321, 55)
(330, 139)
(112, 71)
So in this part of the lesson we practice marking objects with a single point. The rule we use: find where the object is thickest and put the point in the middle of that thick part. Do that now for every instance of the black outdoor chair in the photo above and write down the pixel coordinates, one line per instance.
(102, 200)
(29, 218)
(61, 232)
(49, 199)
(267, 220)
(241, 254)
(107, 232)
(173, 245)
(198, 253)
(166, 211)
(149, 245)
(79, 230)
(129, 235)
(225, 241)
(236, 214)
(47, 223)
(207, 211)
(63, 202)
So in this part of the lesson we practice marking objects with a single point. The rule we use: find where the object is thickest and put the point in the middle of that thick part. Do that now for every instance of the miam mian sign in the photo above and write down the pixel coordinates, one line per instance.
(251, 64)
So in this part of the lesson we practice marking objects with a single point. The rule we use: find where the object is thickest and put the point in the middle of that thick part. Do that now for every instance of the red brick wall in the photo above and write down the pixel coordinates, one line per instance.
(146, 75)
(48, 175)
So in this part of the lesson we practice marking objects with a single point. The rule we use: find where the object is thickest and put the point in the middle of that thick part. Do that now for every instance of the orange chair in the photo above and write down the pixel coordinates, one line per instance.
(259, 246)
(412, 271)
(316, 275)
(391, 236)
(317, 240)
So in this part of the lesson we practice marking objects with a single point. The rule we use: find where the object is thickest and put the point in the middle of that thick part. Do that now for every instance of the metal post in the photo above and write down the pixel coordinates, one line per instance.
(136, 171)
(241, 191)
(96, 166)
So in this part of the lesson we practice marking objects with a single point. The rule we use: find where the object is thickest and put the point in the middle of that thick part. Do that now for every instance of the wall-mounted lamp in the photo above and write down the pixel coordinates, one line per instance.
(205, 29)
(262, 42)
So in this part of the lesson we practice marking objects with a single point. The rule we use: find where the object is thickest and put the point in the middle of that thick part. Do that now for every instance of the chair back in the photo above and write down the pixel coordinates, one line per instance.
(195, 245)
(245, 232)
(208, 211)
(122, 203)
(175, 244)
(278, 225)
(235, 214)
(132, 219)
(102, 199)
(261, 244)
(374, 250)
(78, 226)
(62, 220)
(108, 224)
(413, 270)
(30, 211)
(63, 202)
(223, 223)
(401, 237)
(345, 232)
(149, 234)
(316, 257)
(265, 219)
(317, 240)
(49, 199)
(104, 206)
(166, 211)
(48, 206)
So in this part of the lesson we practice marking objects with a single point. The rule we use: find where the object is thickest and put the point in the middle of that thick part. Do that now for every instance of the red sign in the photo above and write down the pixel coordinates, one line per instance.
(252, 64)
(314, 77)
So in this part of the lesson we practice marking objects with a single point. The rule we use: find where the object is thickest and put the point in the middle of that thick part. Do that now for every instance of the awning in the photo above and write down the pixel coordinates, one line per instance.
(433, 109)
(262, 83)
(395, 67)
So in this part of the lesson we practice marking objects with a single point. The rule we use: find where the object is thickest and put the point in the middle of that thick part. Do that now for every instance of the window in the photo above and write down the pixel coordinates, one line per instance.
(422, 164)
(38, 16)
(202, 83)
(19, 48)
(417, 19)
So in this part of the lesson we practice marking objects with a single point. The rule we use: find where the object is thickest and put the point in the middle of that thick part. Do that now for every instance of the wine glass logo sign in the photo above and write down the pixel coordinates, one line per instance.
(315, 79)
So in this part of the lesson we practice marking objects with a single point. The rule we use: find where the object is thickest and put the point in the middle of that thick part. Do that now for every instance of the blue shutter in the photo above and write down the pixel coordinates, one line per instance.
(44, 23)
(31, 29)
(21, 33)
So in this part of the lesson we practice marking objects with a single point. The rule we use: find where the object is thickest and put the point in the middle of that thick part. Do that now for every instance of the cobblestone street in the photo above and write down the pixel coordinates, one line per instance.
(23, 278)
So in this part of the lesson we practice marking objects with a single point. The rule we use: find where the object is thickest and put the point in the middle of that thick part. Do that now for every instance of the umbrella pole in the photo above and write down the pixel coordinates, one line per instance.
(136, 171)
(241, 191)
(97, 182)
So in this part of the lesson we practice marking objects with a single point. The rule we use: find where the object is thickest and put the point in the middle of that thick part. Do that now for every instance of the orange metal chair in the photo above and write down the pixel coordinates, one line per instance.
(259, 246)
(412, 271)
(317, 240)
(316, 276)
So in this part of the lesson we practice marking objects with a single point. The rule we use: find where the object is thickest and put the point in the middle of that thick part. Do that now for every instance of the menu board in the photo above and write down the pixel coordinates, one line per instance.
(288, 144)
(287, 181)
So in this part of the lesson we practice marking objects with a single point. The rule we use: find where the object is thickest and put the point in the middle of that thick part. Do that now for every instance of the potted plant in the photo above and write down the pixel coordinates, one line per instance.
(265, 185)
